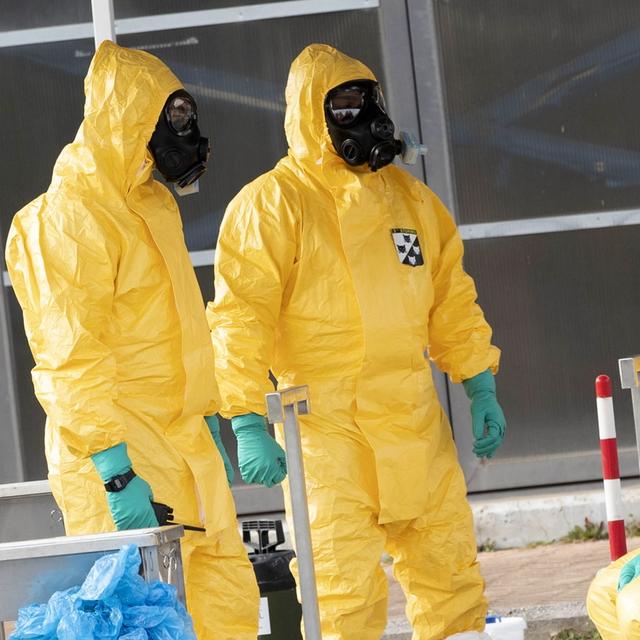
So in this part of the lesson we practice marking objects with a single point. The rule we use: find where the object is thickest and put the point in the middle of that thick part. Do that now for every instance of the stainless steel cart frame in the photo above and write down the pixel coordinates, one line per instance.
(283, 407)
(28, 512)
(630, 379)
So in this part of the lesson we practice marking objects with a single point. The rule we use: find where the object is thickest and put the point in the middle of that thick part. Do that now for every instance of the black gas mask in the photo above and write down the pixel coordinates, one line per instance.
(358, 124)
(180, 152)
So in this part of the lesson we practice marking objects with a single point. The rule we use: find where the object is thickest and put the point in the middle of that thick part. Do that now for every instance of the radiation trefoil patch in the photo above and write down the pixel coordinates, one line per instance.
(407, 246)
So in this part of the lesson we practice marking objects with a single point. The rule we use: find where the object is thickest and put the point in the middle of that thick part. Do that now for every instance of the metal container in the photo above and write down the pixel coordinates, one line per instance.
(280, 611)
(28, 512)
(32, 570)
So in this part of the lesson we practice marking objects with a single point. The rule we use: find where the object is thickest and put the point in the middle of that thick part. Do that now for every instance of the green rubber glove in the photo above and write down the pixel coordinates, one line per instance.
(260, 458)
(214, 427)
(630, 571)
(130, 508)
(488, 420)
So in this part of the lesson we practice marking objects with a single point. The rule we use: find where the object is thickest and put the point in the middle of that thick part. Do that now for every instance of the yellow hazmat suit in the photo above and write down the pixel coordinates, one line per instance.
(116, 324)
(615, 614)
(309, 284)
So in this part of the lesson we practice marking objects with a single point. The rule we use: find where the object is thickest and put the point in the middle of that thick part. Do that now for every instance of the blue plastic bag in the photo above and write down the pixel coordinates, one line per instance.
(113, 602)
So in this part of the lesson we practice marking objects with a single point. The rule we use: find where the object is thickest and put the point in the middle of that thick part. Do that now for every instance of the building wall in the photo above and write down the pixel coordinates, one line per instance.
(527, 107)
(541, 101)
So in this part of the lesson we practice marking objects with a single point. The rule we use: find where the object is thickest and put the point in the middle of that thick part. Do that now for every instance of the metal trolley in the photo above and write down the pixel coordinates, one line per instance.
(33, 570)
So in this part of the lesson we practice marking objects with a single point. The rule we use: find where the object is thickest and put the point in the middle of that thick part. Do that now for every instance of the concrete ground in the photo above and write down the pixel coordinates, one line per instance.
(546, 585)
(517, 518)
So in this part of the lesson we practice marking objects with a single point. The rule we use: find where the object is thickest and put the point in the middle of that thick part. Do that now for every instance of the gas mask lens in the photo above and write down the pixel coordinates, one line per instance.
(345, 104)
(181, 114)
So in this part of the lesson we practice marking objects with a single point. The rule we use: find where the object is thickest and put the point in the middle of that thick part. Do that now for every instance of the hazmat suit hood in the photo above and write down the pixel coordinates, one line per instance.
(125, 92)
(317, 69)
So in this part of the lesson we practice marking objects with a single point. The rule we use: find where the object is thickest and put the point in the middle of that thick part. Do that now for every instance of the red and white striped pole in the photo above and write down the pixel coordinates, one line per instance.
(610, 468)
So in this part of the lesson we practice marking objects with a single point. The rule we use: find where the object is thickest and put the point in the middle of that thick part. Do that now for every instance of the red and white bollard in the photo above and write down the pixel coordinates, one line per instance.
(610, 468)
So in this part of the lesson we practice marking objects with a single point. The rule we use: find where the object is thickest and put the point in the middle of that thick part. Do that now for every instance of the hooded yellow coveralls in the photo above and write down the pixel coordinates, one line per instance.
(116, 324)
(615, 614)
(309, 284)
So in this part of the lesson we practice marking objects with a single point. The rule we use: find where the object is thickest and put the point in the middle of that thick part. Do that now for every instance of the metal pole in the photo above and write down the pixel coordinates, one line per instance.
(300, 508)
(283, 407)
(629, 371)
(103, 21)
(635, 401)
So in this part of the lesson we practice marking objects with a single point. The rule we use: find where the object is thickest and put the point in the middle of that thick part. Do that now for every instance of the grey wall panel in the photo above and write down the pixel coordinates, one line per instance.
(11, 453)
(31, 414)
(399, 84)
(32, 14)
(532, 114)
(137, 8)
(36, 137)
(56, 76)
(563, 308)
(542, 105)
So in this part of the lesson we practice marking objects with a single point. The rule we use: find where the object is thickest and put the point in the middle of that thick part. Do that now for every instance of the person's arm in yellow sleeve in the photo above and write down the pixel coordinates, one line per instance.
(255, 254)
(460, 338)
(64, 277)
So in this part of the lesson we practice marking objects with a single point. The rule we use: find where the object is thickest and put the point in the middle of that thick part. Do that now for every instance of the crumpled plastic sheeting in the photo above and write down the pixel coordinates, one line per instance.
(113, 602)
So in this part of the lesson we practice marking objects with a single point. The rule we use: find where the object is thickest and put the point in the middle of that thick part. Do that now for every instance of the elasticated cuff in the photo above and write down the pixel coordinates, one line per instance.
(247, 420)
(112, 462)
(482, 382)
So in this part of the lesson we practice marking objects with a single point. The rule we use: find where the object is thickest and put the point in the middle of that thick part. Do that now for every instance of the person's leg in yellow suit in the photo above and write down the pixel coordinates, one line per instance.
(434, 556)
(222, 593)
(435, 564)
(615, 613)
(229, 611)
(347, 540)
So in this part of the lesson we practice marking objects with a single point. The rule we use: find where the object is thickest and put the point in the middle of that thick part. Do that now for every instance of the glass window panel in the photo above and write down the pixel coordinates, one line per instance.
(543, 102)
(41, 113)
(30, 413)
(41, 116)
(564, 308)
(32, 14)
